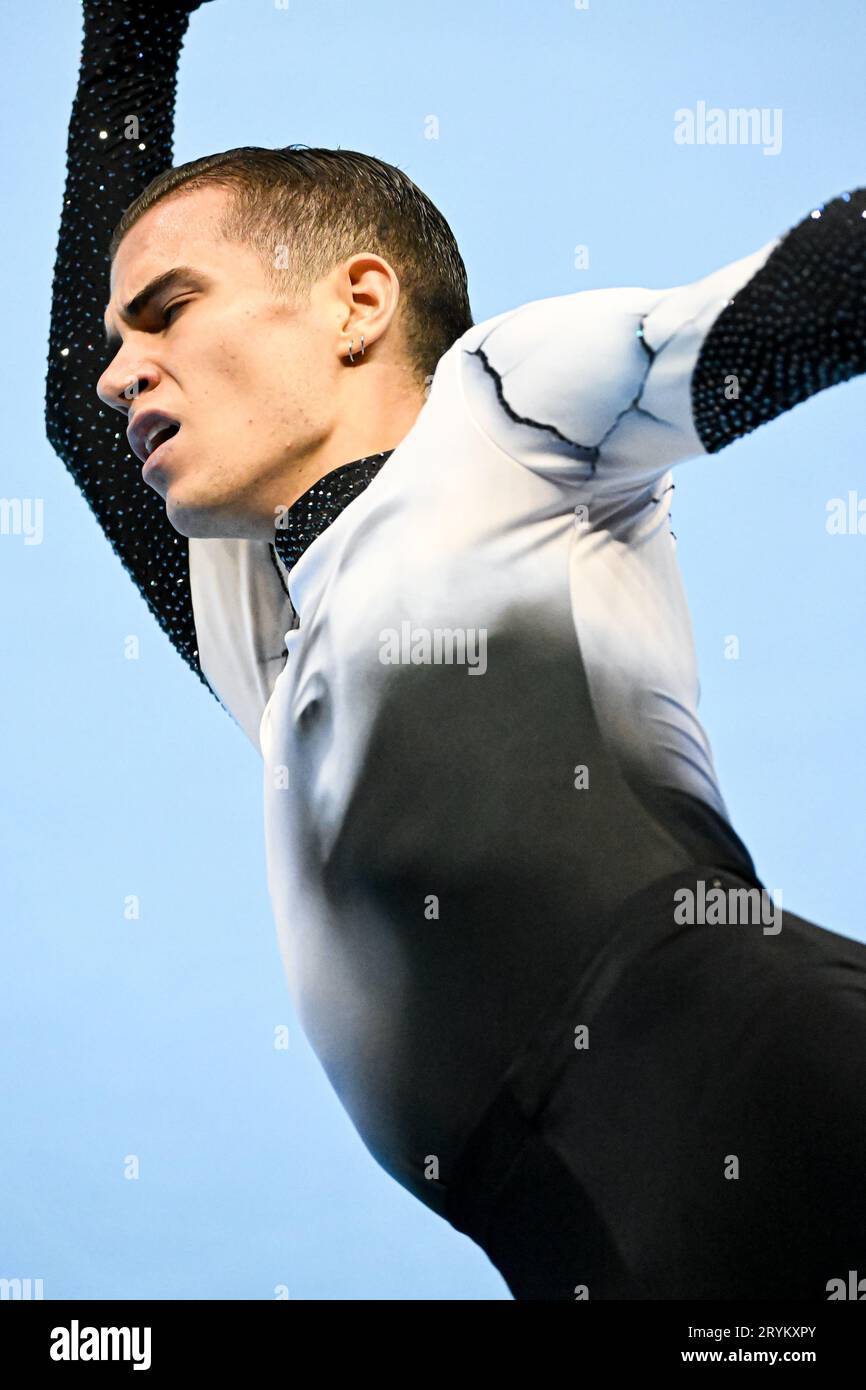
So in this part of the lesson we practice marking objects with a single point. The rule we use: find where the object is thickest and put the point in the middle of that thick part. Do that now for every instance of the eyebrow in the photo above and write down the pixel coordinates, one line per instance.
(141, 301)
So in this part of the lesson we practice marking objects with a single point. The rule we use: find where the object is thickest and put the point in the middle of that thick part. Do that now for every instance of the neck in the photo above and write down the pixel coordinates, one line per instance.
(377, 428)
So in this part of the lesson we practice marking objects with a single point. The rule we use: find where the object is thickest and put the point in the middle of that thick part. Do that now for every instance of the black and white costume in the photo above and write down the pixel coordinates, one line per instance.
(468, 665)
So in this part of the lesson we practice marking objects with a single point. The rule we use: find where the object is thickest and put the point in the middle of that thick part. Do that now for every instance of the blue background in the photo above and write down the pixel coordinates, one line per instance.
(155, 1037)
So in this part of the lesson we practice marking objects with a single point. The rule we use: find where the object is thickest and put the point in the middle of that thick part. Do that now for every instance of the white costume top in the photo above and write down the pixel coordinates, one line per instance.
(450, 841)
(445, 836)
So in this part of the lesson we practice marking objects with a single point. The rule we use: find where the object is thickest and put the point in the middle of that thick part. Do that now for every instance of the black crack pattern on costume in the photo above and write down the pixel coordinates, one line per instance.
(586, 452)
(589, 453)
(670, 487)
(635, 405)
(322, 503)
(797, 327)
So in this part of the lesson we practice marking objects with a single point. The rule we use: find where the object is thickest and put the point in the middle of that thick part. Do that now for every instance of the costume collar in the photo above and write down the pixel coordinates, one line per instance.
(322, 503)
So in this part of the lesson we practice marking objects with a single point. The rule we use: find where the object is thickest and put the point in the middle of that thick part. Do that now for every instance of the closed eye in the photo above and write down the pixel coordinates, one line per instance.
(170, 309)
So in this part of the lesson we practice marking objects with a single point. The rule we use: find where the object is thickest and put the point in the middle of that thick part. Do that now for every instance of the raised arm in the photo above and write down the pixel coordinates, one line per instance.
(609, 388)
(796, 327)
(120, 136)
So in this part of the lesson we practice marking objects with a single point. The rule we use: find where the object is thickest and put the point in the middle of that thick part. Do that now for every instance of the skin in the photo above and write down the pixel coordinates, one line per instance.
(266, 396)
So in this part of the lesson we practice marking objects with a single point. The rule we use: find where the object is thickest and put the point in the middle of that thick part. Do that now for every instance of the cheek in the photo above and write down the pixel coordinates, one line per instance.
(254, 372)
(285, 378)
(225, 383)
(245, 361)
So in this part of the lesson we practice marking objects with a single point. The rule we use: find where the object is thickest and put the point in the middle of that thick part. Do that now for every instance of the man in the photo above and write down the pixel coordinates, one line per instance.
(427, 566)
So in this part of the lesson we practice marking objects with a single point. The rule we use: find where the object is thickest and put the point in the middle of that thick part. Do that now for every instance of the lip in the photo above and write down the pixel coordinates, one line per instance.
(157, 454)
(140, 427)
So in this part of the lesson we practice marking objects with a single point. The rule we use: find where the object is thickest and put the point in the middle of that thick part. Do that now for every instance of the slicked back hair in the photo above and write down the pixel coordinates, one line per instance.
(304, 210)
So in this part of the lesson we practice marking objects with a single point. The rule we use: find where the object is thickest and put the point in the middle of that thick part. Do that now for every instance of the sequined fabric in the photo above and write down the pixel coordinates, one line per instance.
(128, 69)
(322, 504)
(798, 326)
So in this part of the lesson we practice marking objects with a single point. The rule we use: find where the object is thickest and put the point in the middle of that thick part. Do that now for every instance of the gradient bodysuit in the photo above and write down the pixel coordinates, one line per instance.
(451, 849)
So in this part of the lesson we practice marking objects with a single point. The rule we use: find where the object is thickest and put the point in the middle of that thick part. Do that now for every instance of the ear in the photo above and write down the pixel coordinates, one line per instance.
(371, 293)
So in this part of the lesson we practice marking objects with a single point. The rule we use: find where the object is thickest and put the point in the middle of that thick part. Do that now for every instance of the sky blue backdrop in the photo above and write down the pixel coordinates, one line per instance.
(155, 1037)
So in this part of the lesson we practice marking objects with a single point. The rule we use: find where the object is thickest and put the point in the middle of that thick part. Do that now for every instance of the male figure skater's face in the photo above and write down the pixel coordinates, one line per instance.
(251, 380)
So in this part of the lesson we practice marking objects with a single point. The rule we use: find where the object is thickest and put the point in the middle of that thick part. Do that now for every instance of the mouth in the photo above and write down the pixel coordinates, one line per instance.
(156, 441)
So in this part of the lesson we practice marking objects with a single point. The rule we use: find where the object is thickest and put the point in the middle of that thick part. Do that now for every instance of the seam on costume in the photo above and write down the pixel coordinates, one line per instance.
(275, 562)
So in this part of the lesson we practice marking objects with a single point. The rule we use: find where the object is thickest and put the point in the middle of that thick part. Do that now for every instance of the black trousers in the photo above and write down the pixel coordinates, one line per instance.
(689, 1123)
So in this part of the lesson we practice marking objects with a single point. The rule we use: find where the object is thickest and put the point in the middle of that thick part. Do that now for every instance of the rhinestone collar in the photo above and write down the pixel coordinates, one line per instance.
(322, 503)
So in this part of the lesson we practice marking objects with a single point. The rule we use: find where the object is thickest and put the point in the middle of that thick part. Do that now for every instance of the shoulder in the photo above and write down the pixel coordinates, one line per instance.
(553, 373)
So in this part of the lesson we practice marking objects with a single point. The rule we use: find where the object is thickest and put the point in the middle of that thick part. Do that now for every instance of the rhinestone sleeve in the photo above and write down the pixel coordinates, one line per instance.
(798, 326)
(128, 70)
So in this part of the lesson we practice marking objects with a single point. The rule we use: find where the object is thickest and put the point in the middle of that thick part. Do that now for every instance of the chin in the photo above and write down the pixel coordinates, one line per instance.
(203, 519)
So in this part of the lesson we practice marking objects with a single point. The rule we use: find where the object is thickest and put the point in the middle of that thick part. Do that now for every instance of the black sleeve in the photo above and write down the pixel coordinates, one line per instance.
(120, 137)
(798, 326)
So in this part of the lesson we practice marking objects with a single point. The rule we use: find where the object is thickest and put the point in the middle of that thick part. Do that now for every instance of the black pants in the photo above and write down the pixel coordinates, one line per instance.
(707, 1137)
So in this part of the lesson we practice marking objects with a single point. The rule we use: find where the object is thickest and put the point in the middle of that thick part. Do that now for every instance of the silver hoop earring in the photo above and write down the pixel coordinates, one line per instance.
(352, 344)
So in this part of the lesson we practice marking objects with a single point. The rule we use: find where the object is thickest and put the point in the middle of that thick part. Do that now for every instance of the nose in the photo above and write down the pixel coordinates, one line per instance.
(121, 383)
